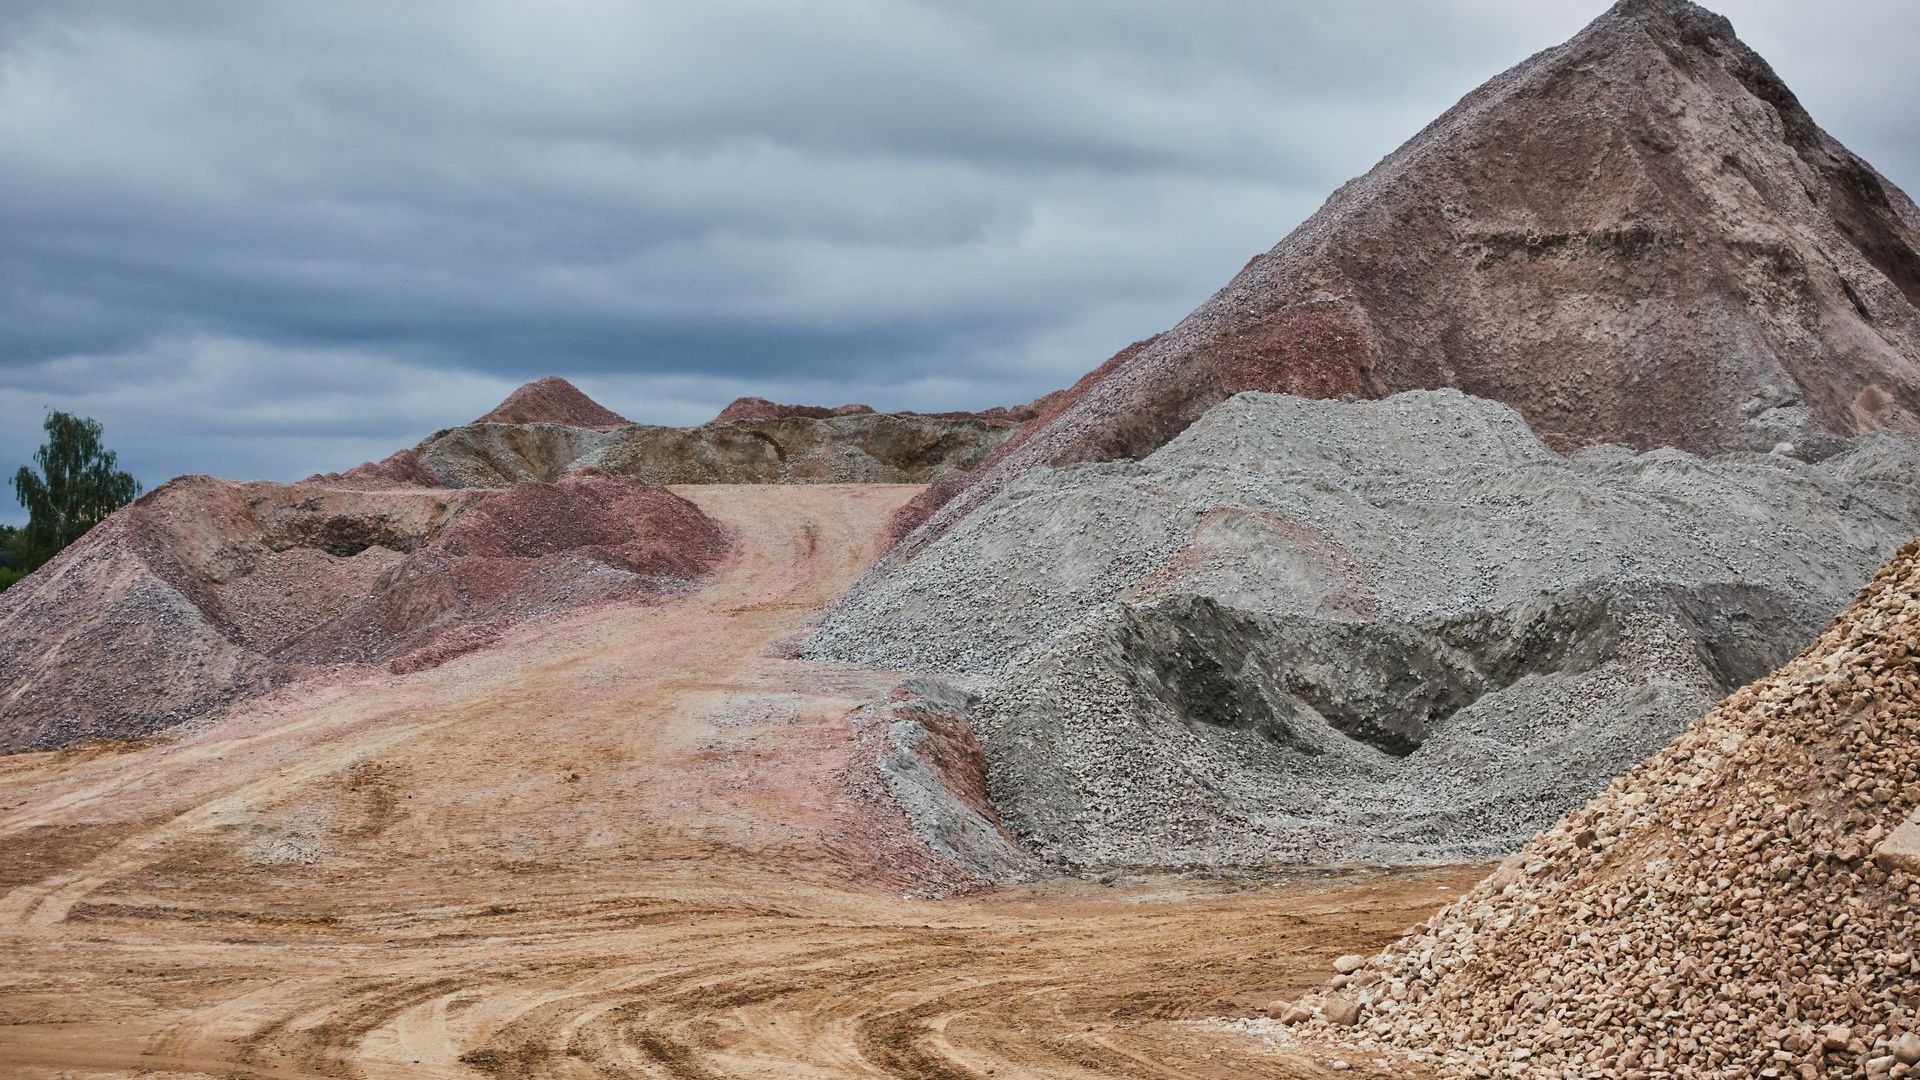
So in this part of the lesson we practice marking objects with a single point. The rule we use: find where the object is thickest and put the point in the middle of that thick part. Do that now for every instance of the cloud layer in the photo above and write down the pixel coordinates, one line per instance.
(264, 240)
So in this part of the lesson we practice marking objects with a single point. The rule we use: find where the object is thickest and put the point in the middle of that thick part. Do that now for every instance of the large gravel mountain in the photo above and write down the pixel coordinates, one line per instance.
(1639, 237)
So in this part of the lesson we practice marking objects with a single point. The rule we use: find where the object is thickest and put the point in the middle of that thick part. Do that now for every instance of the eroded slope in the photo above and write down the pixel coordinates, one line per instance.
(208, 590)
(1639, 237)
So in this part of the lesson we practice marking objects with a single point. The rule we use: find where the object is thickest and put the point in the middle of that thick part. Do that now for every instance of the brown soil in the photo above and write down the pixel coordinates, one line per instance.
(618, 844)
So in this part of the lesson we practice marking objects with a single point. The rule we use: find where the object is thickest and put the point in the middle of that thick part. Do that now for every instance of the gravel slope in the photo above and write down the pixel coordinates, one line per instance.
(1741, 904)
(1401, 630)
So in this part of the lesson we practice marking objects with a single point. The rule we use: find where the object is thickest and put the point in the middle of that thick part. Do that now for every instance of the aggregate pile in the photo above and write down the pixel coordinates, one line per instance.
(1639, 237)
(1401, 630)
(922, 759)
(553, 400)
(753, 441)
(205, 590)
(1744, 903)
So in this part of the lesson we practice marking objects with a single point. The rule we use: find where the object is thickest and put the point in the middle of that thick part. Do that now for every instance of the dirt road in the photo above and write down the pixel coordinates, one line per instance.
(621, 844)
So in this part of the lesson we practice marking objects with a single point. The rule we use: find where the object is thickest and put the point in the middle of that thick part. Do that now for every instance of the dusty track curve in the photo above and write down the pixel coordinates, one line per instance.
(617, 845)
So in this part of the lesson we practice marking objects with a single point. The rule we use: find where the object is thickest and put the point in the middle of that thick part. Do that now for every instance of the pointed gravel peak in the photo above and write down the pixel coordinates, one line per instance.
(553, 400)
(1638, 237)
(1673, 12)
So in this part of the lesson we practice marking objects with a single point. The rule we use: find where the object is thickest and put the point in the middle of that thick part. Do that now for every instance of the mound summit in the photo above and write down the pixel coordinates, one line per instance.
(553, 400)
(1638, 237)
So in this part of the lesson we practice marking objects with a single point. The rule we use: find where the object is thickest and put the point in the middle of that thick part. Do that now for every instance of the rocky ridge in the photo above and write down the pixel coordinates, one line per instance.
(753, 441)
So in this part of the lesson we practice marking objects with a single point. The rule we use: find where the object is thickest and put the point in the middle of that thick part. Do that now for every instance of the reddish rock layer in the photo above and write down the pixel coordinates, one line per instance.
(1638, 237)
(402, 468)
(759, 408)
(553, 400)
(205, 589)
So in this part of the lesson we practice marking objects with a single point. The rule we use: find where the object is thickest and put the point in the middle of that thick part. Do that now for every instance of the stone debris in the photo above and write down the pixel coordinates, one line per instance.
(1901, 849)
(1405, 630)
(1714, 913)
(923, 752)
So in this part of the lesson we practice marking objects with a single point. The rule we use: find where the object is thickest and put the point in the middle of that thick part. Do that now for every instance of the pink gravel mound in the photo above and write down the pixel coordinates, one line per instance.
(206, 590)
(553, 400)
(759, 408)
(1639, 237)
(402, 468)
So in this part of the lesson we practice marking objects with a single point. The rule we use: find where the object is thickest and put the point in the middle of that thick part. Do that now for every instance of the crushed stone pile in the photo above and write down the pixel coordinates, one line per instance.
(1639, 237)
(553, 400)
(1744, 903)
(759, 443)
(205, 590)
(923, 763)
(1401, 630)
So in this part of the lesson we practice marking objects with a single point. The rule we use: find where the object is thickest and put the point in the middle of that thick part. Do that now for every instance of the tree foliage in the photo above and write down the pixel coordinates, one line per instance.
(12, 556)
(78, 482)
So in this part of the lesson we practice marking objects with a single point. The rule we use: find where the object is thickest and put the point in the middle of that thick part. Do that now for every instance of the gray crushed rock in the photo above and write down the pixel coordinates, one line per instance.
(1401, 631)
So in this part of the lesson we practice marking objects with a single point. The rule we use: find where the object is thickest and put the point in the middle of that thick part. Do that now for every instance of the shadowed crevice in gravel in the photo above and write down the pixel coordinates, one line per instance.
(1402, 630)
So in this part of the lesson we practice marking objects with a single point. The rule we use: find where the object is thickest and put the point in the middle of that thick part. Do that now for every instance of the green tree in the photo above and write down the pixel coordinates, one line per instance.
(79, 482)
(12, 557)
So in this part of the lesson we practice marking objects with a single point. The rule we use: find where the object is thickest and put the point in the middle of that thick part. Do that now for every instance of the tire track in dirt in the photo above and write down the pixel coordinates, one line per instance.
(617, 845)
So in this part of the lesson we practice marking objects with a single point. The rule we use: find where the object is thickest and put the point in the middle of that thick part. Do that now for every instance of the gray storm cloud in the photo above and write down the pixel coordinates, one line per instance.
(264, 240)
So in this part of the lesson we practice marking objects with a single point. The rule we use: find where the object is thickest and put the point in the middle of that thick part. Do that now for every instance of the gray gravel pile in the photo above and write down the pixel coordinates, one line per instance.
(1401, 630)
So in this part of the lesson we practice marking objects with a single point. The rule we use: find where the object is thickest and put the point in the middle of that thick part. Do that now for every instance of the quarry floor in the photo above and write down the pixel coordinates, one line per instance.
(632, 842)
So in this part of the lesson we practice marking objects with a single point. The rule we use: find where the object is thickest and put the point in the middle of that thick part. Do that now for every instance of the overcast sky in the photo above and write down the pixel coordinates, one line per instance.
(261, 240)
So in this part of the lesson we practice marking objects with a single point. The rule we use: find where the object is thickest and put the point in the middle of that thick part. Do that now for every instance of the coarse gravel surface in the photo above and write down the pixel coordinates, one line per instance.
(1741, 904)
(1402, 630)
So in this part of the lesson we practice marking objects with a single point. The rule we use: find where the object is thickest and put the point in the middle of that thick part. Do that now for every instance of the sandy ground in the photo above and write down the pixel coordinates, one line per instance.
(619, 844)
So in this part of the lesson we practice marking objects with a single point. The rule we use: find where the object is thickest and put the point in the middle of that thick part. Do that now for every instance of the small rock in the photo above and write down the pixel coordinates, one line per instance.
(1906, 1049)
(1341, 1010)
